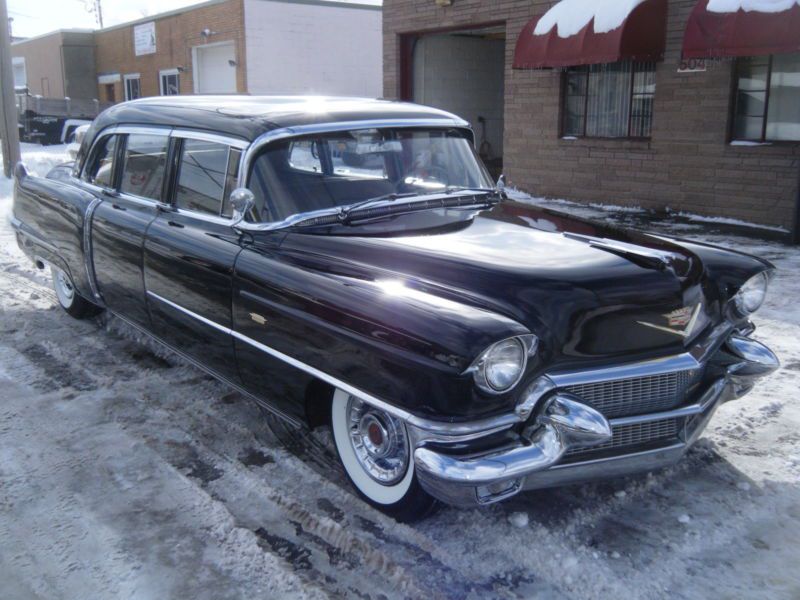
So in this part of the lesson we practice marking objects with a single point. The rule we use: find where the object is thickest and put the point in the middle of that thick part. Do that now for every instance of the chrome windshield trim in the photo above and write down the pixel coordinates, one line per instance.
(301, 130)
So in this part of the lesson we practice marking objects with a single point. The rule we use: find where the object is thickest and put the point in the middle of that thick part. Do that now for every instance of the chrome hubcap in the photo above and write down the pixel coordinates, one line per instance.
(379, 441)
(64, 288)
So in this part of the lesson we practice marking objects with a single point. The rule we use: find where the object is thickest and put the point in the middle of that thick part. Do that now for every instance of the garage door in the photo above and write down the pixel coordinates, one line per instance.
(215, 69)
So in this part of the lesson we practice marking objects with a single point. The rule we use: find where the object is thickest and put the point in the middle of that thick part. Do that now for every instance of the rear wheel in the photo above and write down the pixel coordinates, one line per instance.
(376, 453)
(75, 305)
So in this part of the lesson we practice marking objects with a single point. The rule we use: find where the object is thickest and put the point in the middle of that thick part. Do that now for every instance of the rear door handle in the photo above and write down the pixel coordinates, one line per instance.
(116, 206)
(175, 224)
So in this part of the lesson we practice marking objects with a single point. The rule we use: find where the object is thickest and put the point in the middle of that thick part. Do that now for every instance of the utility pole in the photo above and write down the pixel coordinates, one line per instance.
(796, 229)
(8, 106)
(94, 7)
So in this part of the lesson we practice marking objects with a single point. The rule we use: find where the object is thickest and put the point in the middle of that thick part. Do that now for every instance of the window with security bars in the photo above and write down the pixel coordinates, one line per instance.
(612, 100)
(767, 104)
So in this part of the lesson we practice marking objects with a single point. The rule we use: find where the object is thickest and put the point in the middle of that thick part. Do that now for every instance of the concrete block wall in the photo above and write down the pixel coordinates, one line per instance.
(313, 48)
(688, 164)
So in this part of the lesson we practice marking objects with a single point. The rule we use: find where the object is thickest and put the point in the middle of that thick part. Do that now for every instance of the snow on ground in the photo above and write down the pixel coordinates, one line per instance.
(125, 473)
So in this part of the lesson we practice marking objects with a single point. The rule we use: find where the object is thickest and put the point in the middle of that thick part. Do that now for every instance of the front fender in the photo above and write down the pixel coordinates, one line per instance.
(393, 339)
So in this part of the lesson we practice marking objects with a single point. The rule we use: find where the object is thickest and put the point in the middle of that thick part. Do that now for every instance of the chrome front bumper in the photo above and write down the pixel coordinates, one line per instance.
(557, 422)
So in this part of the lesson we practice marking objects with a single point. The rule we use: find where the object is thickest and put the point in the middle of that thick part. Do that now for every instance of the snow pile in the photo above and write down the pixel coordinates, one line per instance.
(570, 16)
(764, 6)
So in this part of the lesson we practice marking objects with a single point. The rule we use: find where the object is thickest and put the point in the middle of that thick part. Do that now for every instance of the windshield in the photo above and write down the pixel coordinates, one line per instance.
(309, 173)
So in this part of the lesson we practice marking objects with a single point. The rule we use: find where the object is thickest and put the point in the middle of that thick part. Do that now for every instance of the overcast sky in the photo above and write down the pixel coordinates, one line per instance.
(34, 17)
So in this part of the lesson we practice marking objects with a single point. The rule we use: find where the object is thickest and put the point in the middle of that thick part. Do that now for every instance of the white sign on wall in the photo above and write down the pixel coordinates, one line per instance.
(692, 65)
(144, 38)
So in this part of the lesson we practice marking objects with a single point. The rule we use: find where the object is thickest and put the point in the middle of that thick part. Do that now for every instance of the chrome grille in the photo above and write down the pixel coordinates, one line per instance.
(636, 434)
(636, 396)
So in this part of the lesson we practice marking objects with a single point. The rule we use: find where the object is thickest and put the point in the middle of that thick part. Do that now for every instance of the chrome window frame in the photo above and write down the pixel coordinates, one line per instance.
(171, 133)
(204, 136)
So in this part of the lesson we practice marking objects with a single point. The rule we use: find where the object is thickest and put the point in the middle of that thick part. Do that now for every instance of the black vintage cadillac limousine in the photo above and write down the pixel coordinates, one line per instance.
(349, 263)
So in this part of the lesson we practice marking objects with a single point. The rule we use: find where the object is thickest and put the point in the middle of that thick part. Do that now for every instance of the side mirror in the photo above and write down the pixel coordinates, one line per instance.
(501, 184)
(242, 202)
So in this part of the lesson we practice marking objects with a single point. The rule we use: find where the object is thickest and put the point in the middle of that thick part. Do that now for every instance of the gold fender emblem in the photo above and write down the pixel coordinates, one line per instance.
(258, 318)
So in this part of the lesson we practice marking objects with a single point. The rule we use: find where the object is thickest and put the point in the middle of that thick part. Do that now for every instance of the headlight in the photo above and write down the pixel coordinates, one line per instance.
(500, 367)
(751, 295)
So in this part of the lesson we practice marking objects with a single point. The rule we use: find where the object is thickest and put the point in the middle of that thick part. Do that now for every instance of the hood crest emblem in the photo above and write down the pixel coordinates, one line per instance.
(680, 322)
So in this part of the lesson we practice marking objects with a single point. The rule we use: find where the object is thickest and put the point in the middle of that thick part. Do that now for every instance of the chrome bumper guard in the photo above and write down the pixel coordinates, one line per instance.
(559, 422)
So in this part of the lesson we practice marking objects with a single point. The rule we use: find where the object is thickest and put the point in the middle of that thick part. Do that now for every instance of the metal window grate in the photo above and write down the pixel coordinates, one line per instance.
(640, 395)
(636, 434)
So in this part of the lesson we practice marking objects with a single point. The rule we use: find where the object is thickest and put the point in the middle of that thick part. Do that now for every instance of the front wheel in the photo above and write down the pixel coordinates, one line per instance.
(375, 451)
(75, 305)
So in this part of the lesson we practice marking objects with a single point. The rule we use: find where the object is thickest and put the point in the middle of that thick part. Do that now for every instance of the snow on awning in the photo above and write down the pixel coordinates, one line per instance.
(720, 28)
(587, 32)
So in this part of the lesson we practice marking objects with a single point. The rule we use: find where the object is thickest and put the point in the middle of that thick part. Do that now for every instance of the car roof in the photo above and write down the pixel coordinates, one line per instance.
(248, 117)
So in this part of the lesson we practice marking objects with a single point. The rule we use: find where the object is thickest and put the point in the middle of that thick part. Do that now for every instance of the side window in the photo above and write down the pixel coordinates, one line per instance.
(145, 164)
(234, 159)
(304, 156)
(102, 163)
(202, 174)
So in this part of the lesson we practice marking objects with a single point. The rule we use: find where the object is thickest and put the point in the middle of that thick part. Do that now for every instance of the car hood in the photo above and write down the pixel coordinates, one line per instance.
(585, 289)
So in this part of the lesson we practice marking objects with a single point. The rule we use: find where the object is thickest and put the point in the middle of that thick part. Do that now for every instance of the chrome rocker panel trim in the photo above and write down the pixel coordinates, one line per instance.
(420, 427)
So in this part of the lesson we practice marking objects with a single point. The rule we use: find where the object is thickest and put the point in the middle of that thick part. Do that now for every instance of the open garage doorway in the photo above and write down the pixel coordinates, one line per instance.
(462, 72)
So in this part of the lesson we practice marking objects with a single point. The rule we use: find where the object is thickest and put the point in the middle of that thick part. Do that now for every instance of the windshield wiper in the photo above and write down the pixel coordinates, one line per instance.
(452, 189)
(344, 213)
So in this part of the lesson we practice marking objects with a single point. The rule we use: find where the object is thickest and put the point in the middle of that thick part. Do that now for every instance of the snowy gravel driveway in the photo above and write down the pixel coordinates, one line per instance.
(125, 473)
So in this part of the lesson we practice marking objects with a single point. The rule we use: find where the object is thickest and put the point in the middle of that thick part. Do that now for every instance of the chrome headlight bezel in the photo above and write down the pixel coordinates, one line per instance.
(754, 288)
(481, 367)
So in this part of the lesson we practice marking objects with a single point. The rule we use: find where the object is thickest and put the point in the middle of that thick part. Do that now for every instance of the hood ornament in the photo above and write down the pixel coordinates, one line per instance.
(680, 322)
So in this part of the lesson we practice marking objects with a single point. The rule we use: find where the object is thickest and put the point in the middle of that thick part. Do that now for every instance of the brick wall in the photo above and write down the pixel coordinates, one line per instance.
(687, 164)
(176, 35)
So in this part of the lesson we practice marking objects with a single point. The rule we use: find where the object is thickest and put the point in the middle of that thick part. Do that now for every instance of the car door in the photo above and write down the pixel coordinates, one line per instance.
(129, 171)
(190, 252)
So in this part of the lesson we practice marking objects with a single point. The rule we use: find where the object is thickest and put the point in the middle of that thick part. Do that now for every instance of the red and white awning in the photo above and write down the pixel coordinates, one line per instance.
(586, 32)
(725, 28)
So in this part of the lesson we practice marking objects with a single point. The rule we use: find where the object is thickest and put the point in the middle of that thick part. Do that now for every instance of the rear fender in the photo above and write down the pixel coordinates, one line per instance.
(49, 216)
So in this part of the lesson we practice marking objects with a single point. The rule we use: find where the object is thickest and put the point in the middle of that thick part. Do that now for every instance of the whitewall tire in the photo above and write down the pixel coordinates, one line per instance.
(376, 453)
(69, 299)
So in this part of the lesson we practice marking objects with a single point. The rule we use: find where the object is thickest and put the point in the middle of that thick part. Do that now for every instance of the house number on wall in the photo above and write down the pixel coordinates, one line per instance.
(692, 65)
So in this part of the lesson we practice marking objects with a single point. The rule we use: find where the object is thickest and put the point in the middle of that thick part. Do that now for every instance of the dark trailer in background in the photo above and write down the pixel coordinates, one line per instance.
(53, 120)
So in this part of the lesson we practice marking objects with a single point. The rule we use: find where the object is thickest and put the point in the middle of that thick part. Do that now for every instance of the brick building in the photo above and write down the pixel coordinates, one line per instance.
(244, 46)
(607, 109)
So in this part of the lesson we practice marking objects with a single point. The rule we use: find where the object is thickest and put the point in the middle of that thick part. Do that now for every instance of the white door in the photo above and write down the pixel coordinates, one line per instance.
(215, 69)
